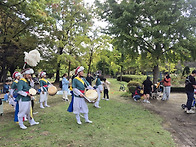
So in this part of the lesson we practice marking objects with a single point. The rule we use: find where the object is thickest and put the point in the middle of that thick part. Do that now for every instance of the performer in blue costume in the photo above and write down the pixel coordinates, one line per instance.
(79, 105)
(13, 93)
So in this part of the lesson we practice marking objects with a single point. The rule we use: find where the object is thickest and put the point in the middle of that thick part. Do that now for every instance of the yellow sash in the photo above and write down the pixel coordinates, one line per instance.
(79, 79)
(16, 81)
(44, 80)
(23, 79)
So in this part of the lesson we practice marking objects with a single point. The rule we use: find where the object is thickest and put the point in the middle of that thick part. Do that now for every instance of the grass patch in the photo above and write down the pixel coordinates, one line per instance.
(118, 123)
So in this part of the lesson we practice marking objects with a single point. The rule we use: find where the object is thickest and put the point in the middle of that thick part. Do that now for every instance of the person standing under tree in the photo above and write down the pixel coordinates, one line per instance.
(167, 86)
(190, 85)
(65, 84)
(89, 78)
(106, 89)
(148, 88)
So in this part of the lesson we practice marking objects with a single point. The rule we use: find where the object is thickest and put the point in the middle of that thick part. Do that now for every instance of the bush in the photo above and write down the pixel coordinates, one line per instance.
(131, 89)
(132, 85)
(127, 78)
(178, 89)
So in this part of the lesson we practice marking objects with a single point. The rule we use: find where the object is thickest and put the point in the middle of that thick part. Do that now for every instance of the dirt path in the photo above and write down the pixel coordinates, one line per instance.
(181, 125)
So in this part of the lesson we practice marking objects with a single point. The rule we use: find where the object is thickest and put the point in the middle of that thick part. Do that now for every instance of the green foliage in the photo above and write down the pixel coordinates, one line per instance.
(147, 27)
(133, 83)
(186, 71)
(137, 78)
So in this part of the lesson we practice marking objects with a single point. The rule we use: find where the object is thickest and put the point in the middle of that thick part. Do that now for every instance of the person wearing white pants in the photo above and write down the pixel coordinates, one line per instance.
(65, 84)
(44, 89)
(24, 98)
(166, 92)
(79, 105)
(99, 89)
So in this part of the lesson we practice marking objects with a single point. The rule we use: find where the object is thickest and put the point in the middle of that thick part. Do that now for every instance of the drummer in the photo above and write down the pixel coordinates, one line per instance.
(99, 89)
(13, 93)
(44, 89)
(24, 98)
(79, 105)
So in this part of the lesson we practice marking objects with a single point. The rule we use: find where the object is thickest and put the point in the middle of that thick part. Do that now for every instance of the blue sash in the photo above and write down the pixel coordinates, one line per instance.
(70, 108)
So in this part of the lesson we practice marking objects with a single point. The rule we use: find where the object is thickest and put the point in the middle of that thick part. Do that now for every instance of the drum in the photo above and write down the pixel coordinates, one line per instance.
(32, 91)
(91, 96)
(52, 90)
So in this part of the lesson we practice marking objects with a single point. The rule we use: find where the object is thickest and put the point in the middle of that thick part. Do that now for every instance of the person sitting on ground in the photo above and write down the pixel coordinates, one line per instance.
(6, 86)
(137, 95)
(6, 96)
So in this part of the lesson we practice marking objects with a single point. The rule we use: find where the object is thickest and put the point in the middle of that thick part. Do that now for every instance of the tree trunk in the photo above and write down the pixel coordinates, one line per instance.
(121, 73)
(69, 68)
(58, 66)
(155, 74)
(90, 60)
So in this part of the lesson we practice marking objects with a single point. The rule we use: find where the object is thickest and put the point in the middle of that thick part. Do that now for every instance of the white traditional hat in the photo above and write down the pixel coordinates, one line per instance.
(79, 69)
(42, 74)
(27, 71)
(15, 74)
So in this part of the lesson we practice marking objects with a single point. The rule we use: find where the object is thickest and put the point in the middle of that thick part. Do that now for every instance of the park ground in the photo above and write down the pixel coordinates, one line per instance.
(120, 122)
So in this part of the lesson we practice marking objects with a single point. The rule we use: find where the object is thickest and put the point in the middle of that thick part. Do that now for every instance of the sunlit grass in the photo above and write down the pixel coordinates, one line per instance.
(119, 122)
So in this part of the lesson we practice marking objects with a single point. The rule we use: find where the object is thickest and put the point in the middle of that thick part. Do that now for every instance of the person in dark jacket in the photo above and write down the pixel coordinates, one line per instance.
(89, 79)
(148, 88)
(190, 85)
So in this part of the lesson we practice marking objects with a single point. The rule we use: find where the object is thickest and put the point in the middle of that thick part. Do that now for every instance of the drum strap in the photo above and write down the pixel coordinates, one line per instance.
(82, 91)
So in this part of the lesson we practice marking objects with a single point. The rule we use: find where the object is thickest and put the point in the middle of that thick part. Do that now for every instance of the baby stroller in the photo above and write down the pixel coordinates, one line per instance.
(193, 103)
(122, 87)
(157, 91)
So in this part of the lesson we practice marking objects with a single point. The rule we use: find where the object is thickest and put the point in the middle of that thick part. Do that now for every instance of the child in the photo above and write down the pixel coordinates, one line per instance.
(106, 89)
(6, 86)
(137, 95)
(65, 84)
(6, 96)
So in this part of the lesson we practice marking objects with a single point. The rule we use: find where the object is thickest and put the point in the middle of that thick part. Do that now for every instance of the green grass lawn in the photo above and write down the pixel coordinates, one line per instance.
(119, 122)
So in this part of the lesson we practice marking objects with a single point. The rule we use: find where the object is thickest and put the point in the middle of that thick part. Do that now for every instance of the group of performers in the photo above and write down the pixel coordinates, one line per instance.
(22, 99)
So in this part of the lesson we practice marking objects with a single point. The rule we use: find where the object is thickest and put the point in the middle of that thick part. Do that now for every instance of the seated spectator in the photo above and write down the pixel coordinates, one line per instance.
(6, 96)
(137, 95)
(6, 86)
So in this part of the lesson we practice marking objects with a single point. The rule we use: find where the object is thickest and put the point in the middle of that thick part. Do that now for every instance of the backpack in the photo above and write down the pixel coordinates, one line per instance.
(187, 81)
(60, 84)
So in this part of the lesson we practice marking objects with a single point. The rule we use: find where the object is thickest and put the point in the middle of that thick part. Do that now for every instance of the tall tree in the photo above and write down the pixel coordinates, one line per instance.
(18, 20)
(68, 32)
(163, 29)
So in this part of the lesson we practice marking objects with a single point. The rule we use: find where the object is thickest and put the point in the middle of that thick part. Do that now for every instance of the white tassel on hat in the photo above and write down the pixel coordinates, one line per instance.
(32, 58)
